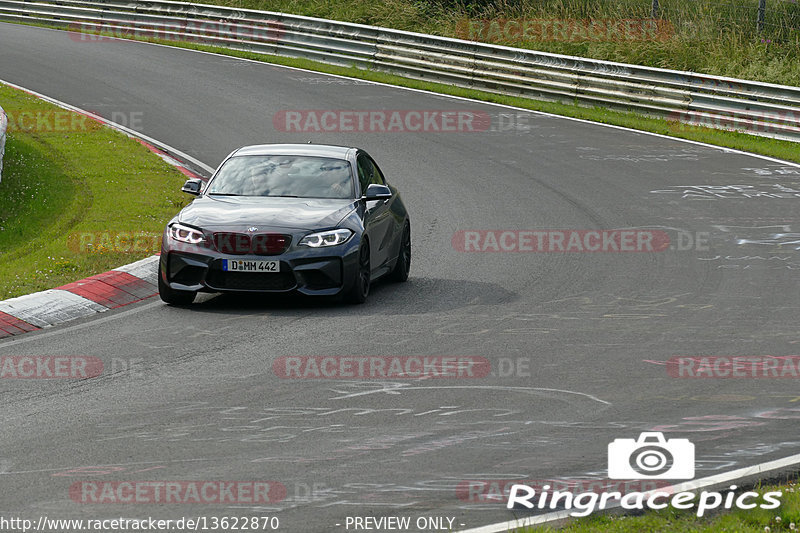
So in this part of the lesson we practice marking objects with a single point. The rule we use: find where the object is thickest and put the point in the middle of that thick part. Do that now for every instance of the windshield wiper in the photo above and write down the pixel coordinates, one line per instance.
(224, 194)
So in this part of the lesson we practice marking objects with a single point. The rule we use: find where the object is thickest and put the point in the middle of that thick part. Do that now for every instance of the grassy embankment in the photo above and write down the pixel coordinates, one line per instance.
(709, 36)
(66, 177)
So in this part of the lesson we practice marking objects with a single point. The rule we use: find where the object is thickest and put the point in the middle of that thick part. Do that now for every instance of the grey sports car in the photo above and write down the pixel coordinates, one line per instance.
(315, 219)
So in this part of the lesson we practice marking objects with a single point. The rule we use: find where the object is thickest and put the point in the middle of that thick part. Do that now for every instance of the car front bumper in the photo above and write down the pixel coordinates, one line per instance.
(316, 272)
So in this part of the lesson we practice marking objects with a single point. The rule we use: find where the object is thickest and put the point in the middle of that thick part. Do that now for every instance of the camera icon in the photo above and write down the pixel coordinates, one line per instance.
(651, 457)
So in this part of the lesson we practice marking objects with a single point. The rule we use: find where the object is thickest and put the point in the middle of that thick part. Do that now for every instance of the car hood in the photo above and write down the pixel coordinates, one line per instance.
(239, 212)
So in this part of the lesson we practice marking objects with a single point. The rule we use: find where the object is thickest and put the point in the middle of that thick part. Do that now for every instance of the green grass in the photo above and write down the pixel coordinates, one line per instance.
(675, 521)
(59, 182)
(708, 36)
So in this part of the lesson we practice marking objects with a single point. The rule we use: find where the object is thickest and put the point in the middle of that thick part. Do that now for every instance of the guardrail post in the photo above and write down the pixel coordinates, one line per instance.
(655, 9)
(762, 11)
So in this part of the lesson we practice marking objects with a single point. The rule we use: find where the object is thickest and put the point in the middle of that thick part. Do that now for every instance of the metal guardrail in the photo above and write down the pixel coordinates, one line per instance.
(3, 127)
(753, 107)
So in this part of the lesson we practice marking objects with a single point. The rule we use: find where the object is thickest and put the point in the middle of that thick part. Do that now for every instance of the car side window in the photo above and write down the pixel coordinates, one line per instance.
(365, 172)
(377, 175)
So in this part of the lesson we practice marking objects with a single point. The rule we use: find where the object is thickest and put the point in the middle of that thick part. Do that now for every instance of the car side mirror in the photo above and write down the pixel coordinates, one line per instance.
(377, 192)
(193, 186)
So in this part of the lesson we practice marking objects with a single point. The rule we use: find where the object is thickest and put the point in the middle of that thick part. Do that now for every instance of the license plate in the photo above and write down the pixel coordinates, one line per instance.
(237, 265)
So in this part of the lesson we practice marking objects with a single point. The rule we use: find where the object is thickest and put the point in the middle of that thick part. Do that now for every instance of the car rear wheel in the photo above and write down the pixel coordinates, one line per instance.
(172, 296)
(360, 290)
(403, 264)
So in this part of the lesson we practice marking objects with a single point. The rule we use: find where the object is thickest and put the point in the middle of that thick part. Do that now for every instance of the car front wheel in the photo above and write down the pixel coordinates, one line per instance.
(360, 289)
(403, 264)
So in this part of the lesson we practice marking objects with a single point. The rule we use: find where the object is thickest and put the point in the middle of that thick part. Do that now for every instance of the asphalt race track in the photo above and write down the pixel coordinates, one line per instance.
(577, 341)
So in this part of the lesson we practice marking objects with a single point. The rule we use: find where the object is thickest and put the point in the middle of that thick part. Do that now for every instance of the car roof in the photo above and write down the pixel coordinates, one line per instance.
(319, 150)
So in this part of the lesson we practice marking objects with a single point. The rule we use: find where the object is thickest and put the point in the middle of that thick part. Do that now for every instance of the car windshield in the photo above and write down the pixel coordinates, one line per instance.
(282, 175)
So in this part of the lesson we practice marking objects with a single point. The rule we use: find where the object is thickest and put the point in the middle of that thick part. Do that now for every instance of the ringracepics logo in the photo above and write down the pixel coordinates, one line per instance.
(650, 457)
(588, 502)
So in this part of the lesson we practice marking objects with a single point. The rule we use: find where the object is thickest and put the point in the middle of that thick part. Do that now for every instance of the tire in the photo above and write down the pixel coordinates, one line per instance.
(403, 264)
(360, 290)
(173, 297)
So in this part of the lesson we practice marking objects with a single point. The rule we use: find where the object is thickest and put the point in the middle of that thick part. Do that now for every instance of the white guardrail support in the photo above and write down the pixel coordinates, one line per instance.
(757, 108)
(3, 127)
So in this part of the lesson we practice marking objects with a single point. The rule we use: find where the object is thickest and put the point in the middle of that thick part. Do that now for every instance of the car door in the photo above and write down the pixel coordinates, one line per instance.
(378, 216)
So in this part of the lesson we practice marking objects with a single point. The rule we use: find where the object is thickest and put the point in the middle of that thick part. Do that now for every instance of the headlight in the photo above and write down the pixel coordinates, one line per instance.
(186, 234)
(326, 238)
